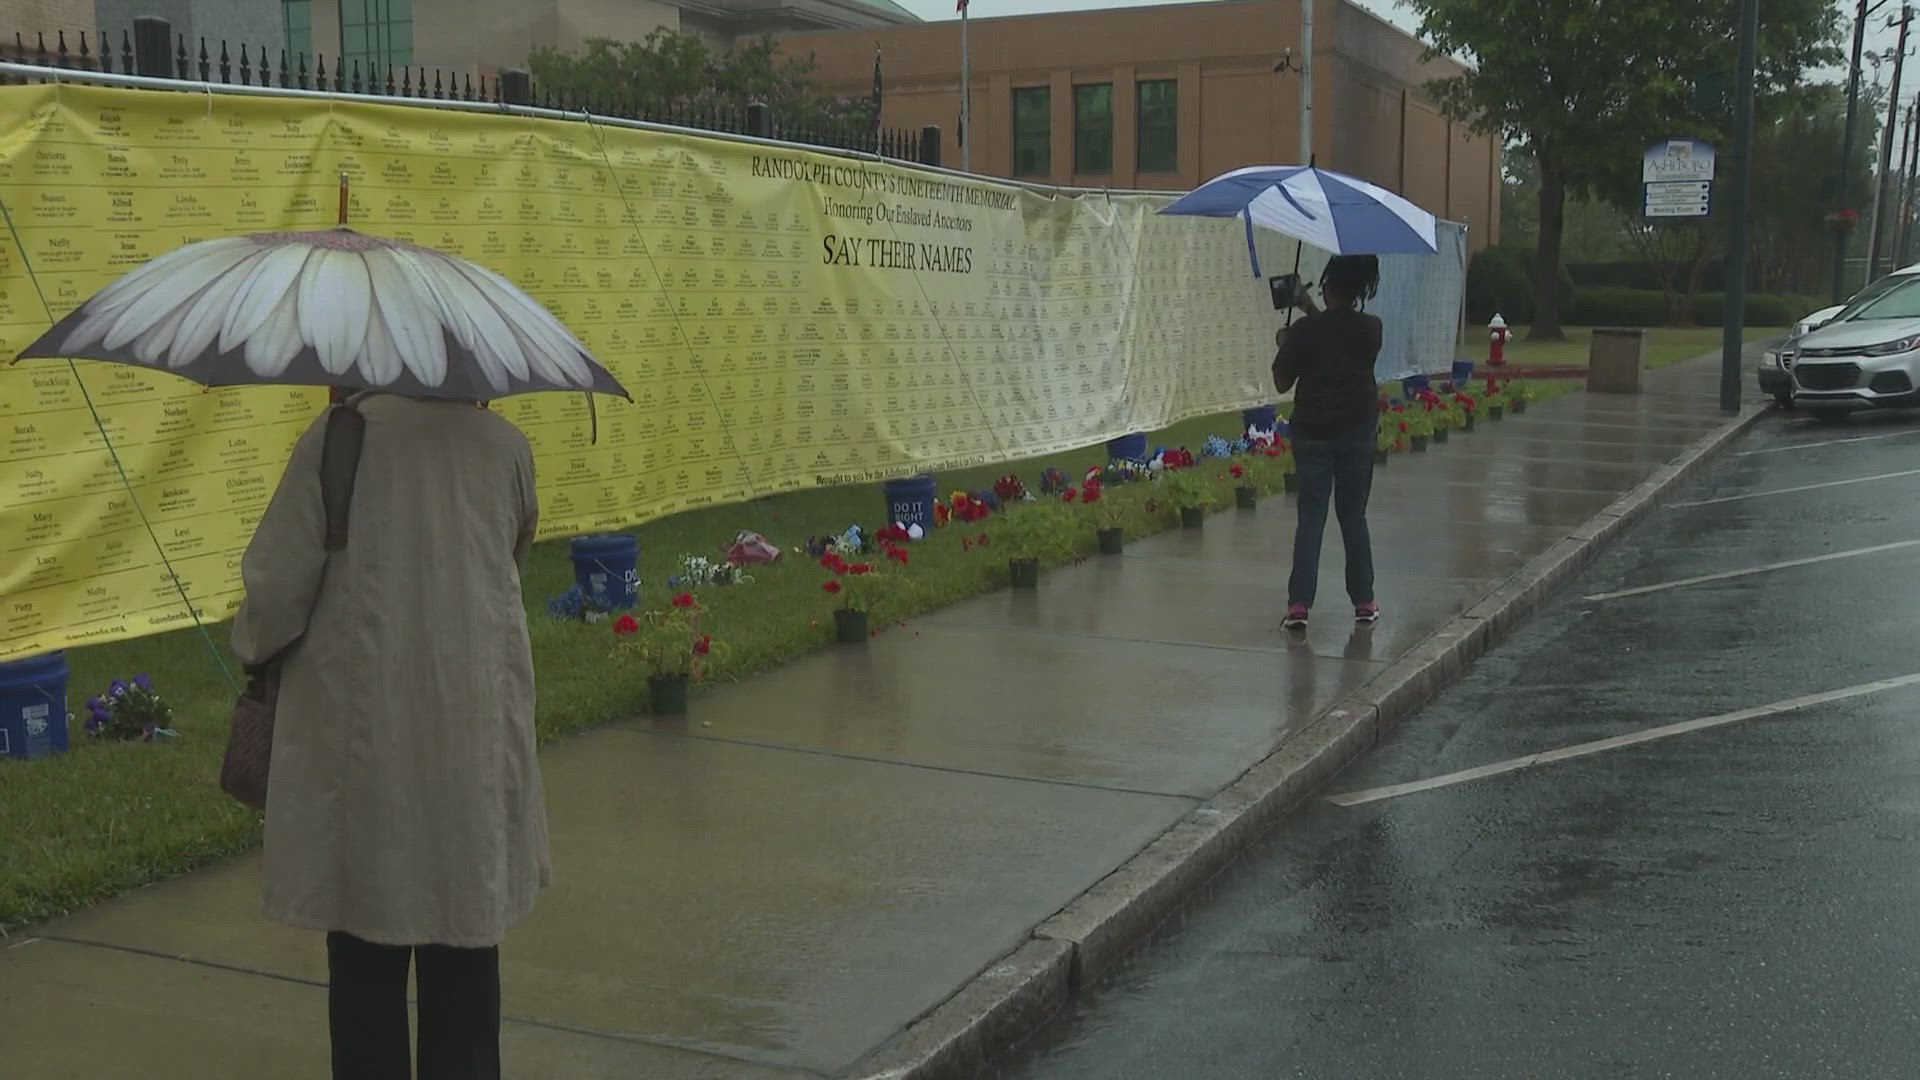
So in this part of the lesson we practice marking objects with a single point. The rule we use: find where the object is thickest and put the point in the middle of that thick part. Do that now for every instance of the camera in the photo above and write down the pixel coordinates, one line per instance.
(1286, 289)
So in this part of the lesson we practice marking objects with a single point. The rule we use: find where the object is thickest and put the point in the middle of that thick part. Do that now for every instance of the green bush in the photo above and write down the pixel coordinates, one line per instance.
(1498, 284)
(1648, 307)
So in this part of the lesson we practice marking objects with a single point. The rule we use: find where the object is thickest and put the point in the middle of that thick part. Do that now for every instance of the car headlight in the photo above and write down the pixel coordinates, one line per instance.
(1770, 358)
(1893, 348)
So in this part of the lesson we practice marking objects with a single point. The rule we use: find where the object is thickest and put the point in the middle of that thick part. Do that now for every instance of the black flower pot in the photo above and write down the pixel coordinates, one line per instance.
(1112, 541)
(1193, 517)
(668, 694)
(1496, 412)
(1470, 422)
(849, 626)
(1025, 573)
(1246, 498)
(1518, 407)
(1440, 435)
(1419, 444)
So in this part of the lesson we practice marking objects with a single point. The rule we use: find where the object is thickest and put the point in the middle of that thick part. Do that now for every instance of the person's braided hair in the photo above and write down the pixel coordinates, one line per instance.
(1354, 278)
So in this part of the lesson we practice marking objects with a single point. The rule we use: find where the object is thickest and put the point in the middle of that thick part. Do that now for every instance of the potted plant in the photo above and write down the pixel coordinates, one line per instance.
(1190, 494)
(1495, 400)
(1518, 393)
(131, 712)
(1417, 426)
(1246, 496)
(1032, 536)
(1108, 514)
(1469, 406)
(857, 586)
(672, 646)
(1384, 437)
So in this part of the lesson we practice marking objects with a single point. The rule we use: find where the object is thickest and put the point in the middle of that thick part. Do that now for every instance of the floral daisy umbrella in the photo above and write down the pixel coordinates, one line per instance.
(332, 308)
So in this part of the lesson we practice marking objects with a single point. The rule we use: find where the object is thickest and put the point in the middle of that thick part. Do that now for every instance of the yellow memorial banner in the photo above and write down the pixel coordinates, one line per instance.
(784, 318)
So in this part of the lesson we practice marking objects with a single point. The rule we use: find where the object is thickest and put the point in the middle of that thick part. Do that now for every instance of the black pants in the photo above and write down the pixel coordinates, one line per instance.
(1340, 472)
(367, 1011)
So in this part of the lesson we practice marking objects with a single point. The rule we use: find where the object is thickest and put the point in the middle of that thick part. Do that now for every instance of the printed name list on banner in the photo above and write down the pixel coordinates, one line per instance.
(784, 319)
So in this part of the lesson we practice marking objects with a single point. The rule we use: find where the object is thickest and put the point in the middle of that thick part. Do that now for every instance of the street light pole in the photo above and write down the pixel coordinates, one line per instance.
(1735, 316)
(1841, 196)
(1886, 148)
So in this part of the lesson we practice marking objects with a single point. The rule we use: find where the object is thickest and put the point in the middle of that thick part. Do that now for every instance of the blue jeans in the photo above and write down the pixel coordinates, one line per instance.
(1339, 471)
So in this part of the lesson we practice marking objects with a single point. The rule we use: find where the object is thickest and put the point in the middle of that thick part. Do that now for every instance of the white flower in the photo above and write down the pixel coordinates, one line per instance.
(387, 311)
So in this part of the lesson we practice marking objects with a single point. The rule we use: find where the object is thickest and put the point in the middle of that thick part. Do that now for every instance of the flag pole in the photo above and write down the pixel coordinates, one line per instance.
(966, 93)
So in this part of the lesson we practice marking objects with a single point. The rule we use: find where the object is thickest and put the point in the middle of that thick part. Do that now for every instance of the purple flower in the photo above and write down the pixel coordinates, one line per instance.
(143, 683)
(117, 689)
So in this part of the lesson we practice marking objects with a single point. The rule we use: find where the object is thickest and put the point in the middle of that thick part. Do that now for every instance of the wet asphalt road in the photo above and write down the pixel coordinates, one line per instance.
(1742, 901)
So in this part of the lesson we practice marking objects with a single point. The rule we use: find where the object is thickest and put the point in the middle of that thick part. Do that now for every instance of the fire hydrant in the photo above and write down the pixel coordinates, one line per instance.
(1497, 349)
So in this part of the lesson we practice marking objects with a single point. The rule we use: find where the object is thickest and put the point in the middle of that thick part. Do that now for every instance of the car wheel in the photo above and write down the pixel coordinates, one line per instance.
(1829, 415)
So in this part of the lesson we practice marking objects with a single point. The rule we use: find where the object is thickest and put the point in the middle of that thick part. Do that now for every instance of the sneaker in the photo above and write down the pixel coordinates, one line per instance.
(1368, 612)
(1296, 617)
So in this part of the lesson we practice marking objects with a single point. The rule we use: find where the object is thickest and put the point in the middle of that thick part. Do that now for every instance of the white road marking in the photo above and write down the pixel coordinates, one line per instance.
(1566, 753)
(1826, 442)
(1793, 490)
(1770, 567)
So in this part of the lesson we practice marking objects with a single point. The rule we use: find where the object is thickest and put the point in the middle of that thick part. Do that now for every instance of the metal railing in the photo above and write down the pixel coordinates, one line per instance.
(152, 49)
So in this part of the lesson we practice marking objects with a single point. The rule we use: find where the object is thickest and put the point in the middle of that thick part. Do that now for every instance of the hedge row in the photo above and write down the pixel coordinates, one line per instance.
(1499, 280)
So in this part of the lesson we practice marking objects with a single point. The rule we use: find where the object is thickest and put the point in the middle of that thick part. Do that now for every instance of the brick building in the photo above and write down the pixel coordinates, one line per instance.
(1166, 97)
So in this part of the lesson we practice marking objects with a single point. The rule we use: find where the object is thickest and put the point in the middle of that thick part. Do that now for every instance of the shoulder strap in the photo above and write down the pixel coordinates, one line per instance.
(339, 463)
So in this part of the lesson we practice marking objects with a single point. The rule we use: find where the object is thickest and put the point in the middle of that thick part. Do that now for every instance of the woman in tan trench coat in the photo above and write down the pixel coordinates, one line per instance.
(405, 816)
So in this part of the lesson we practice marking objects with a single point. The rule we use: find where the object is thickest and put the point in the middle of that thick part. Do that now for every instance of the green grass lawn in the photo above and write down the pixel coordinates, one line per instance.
(105, 818)
(1665, 345)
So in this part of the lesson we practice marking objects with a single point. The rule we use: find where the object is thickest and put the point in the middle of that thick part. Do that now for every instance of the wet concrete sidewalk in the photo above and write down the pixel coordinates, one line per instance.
(826, 852)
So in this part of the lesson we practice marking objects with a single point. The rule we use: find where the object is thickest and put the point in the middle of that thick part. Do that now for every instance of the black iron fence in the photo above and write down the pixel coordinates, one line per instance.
(151, 49)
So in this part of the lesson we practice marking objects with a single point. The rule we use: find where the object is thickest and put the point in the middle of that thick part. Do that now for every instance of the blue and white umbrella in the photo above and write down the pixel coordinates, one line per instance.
(1334, 212)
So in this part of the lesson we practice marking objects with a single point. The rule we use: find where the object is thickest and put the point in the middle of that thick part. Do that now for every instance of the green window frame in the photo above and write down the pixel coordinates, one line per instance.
(1158, 143)
(1033, 131)
(376, 33)
(1093, 129)
(298, 17)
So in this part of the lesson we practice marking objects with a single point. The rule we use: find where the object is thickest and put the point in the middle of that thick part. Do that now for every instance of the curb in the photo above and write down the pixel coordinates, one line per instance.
(1021, 990)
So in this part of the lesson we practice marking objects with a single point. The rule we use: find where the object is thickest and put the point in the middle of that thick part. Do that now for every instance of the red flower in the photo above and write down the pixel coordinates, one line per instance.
(941, 514)
(984, 540)
(1238, 471)
(1403, 427)
(898, 555)
(625, 625)
(832, 561)
(966, 543)
(832, 588)
(1090, 494)
(1069, 495)
(684, 601)
(860, 568)
(895, 534)
(703, 646)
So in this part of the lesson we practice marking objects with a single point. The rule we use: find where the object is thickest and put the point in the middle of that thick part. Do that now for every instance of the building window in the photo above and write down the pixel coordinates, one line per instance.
(1093, 130)
(299, 19)
(378, 34)
(1033, 131)
(1159, 147)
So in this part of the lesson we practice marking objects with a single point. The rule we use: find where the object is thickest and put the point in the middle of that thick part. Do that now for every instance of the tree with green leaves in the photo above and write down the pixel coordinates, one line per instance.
(1586, 85)
(670, 71)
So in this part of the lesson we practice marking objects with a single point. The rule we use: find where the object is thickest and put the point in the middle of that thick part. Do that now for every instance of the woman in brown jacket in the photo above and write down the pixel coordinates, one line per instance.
(405, 816)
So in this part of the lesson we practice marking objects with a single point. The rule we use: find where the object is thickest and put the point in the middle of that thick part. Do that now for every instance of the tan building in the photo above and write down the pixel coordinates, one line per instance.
(1166, 97)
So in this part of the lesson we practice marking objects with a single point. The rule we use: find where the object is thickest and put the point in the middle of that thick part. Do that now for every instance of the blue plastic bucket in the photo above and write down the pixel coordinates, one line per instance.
(1262, 418)
(607, 569)
(1462, 371)
(1413, 384)
(33, 707)
(1128, 448)
(910, 501)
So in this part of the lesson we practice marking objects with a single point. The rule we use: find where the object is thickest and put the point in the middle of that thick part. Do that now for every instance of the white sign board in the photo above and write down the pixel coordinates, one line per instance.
(1676, 177)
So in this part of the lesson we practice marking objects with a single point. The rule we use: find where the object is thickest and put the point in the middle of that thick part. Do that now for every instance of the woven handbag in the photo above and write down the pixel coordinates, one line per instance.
(249, 756)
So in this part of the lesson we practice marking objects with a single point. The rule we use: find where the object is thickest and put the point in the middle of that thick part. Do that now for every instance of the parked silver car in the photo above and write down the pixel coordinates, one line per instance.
(1866, 358)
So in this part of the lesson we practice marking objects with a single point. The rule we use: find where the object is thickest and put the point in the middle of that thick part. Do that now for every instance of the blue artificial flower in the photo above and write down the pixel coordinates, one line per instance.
(673, 583)
(144, 683)
(1215, 447)
(1241, 446)
(118, 688)
(571, 605)
(988, 499)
